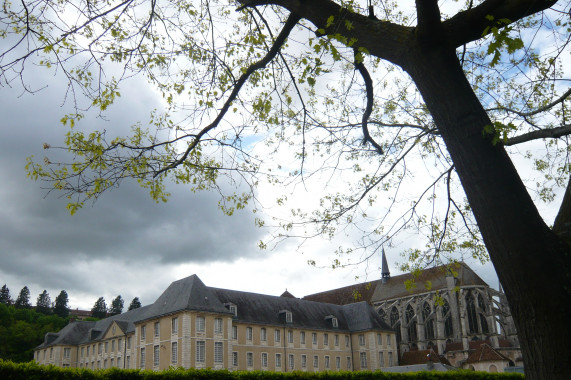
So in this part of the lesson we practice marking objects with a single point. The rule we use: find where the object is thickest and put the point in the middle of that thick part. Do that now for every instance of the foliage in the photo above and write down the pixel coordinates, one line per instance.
(99, 309)
(23, 300)
(60, 307)
(21, 330)
(34, 371)
(116, 306)
(44, 303)
(135, 304)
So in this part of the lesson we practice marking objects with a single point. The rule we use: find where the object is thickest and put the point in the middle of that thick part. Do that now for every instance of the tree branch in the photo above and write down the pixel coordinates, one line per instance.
(552, 133)
(539, 110)
(274, 50)
(469, 25)
(369, 87)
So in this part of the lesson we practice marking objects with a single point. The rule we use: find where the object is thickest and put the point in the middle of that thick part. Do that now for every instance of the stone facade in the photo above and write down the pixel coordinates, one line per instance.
(446, 308)
(192, 325)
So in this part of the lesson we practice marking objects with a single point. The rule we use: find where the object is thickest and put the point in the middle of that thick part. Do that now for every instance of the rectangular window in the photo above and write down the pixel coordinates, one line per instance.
(278, 360)
(363, 357)
(314, 338)
(129, 343)
(66, 353)
(200, 324)
(105, 364)
(250, 359)
(120, 344)
(277, 336)
(218, 326)
(336, 340)
(361, 340)
(303, 361)
(143, 332)
(291, 361)
(112, 362)
(327, 364)
(128, 362)
(235, 359)
(326, 339)
(388, 340)
(200, 351)
(156, 356)
(338, 362)
(82, 348)
(390, 359)
(249, 333)
(381, 360)
(174, 352)
(143, 357)
(99, 349)
(290, 336)
(346, 340)
(113, 346)
(157, 329)
(264, 360)
(316, 361)
(348, 362)
(234, 332)
(302, 337)
(288, 317)
(174, 325)
(263, 334)
(86, 352)
(106, 347)
(379, 340)
(218, 352)
(234, 310)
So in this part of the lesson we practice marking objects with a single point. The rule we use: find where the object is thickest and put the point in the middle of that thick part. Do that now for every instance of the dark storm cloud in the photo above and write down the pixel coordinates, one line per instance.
(39, 240)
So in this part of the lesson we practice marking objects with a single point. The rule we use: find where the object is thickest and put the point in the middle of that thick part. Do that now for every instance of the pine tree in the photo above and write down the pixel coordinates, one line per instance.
(44, 303)
(135, 304)
(116, 306)
(23, 300)
(5, 296)
(99, 309)
(60, 308)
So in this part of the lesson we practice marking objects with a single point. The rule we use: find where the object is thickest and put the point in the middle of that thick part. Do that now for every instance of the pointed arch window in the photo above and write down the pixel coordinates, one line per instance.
(411, 322)
(447, 316)
(471, 314)
(395, 323)
(428, 321)
(382, 314)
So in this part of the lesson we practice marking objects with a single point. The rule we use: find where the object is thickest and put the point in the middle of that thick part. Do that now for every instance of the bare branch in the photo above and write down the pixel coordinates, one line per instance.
(552, 133)
(539, 110)
(369, 87)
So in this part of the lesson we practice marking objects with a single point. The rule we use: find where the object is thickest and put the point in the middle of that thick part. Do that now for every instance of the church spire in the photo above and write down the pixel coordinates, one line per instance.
(385, 273)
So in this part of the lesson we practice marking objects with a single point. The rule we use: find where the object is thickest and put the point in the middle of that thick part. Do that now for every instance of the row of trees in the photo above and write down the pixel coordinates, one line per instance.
(100, 310)
(44, 305)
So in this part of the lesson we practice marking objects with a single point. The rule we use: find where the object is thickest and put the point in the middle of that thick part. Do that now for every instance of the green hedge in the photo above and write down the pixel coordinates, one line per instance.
(33, 371)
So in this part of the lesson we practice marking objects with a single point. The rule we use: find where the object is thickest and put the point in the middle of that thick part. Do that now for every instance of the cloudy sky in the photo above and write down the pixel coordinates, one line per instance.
(125, 243)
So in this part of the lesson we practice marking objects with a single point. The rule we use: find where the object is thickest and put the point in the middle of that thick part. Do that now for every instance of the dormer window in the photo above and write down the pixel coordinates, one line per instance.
(233, 308)
(333, 320)
(286, 314)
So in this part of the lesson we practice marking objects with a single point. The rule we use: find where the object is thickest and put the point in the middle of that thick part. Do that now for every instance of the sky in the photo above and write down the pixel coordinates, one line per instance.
(125, 244)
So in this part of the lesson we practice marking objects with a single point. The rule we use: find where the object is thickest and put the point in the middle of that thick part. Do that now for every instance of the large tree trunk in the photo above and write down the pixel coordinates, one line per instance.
(532, 263)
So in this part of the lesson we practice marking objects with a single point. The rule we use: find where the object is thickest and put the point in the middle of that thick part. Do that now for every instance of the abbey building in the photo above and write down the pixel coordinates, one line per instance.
(449, 310)
(193, 325)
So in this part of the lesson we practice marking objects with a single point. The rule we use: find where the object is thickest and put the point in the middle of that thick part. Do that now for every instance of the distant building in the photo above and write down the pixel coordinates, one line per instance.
(453, 316)
(192, 325)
